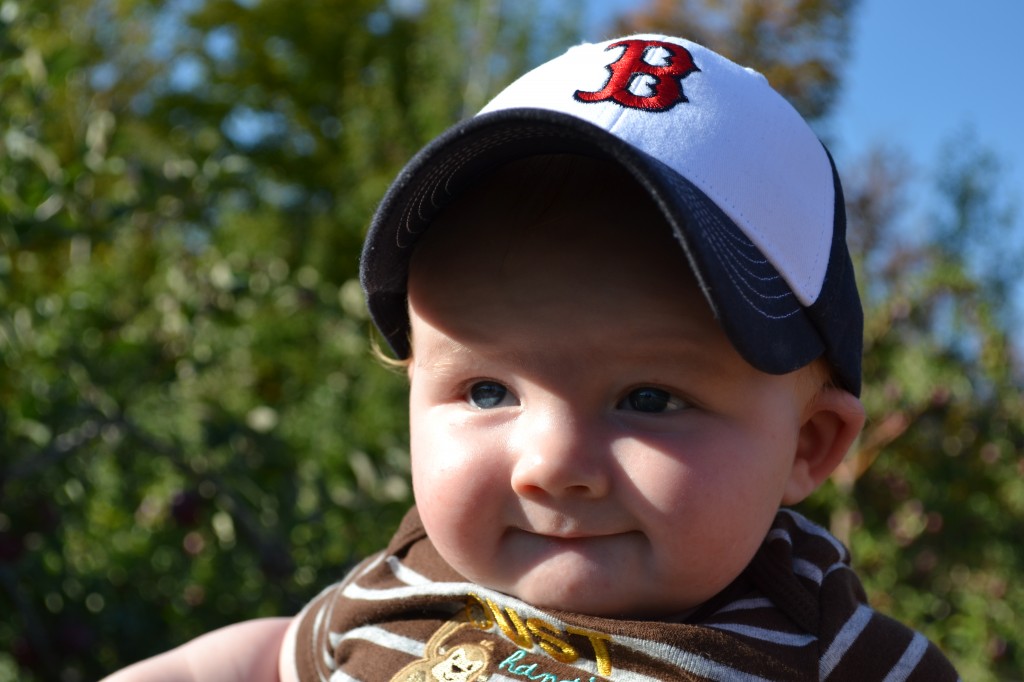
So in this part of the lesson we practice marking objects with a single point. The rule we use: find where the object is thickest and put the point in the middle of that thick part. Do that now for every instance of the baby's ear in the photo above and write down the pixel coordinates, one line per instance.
(832, 420)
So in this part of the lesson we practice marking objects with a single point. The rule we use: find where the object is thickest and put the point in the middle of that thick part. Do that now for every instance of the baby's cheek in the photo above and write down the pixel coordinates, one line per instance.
(451, 494)
(666, 485)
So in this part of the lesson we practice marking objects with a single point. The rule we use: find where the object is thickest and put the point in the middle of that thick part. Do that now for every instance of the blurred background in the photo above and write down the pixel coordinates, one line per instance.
(193, 430)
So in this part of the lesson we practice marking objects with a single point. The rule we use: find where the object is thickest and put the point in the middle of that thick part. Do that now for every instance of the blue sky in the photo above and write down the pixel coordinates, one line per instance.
(922, 70)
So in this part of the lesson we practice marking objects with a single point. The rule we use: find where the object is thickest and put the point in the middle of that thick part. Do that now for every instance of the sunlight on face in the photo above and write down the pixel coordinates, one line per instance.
(584, 436)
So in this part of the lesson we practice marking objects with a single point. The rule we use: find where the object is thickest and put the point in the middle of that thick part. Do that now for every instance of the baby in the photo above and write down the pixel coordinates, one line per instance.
(629, 319)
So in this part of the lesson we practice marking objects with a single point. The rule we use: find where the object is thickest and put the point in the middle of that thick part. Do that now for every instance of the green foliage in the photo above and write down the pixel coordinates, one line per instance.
(931, 498)
(193, 429)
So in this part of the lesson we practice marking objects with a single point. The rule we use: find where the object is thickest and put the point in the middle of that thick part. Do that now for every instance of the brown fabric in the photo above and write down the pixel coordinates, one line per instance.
(797, 613)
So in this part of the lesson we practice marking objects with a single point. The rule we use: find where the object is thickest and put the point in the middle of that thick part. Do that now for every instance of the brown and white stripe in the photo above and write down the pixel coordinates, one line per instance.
(797, 613)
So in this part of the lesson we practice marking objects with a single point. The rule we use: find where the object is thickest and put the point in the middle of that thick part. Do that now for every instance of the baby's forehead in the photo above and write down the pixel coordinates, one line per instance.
(550, 253)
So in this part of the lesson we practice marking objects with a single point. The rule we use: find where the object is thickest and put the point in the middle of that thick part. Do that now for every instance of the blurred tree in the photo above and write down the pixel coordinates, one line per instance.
(799, 45)
(932, 499)
(192, 427)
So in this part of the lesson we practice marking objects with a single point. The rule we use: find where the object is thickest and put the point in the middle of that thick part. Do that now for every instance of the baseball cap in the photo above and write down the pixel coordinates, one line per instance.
(750, 192)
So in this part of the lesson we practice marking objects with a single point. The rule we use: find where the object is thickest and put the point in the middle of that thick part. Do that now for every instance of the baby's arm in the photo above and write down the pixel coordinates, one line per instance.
(246, 651)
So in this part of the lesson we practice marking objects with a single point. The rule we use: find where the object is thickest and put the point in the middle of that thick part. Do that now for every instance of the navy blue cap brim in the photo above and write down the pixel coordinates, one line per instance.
(766, 323)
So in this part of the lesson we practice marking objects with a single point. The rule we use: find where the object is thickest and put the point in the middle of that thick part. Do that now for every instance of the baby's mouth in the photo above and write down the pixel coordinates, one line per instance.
(573, 536)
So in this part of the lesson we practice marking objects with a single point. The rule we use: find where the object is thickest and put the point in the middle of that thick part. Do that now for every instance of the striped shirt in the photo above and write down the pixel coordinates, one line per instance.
(797, 612)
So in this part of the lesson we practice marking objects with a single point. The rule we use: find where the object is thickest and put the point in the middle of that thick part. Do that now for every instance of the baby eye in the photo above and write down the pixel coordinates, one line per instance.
(487, 395)
(650, 400)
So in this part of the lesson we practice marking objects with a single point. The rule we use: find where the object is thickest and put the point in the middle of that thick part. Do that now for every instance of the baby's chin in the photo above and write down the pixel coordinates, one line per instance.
(589, 590)
(614, 604)
(613, 576)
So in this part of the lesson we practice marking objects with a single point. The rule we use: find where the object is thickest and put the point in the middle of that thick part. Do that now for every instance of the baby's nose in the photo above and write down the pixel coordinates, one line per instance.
(560, 455)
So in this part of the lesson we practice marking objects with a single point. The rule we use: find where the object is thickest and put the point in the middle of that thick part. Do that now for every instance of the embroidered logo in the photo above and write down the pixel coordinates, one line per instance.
(530, 633)
(454, 654)
(448, 663)
(632, 72)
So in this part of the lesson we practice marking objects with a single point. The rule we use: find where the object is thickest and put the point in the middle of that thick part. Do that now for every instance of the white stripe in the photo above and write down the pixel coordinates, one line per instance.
(809, 570)
(406, 574)
(318, 622)
(795, 639)
(747, 605)
(806, 569)
(326, 613)
(381, 637)
(845, 638)
(358, 571)
(909, 660)
(681, 658)
(328, 661)
(779, 534)
(364, 567)
(459, 590)
(716, 671)
(341, 676)
(839, 566)
(812, 528)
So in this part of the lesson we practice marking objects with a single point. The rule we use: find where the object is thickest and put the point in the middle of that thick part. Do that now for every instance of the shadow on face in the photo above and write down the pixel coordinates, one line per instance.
(547, 235)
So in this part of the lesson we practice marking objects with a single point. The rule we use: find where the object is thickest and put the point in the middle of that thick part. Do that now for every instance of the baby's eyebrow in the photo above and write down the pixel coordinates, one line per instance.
(448, 357)
(442, 356)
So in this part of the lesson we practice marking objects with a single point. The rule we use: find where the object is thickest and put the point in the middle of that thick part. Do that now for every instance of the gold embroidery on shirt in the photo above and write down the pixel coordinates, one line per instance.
(484, 614)
(597, 640)
(519, 636)
(546, 635)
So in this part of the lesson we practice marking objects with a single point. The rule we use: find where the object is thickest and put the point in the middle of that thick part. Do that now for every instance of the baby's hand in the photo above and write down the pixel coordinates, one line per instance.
(245, 652)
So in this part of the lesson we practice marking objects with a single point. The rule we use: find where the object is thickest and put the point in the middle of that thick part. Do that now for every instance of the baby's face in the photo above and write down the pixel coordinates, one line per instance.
(584, 436)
